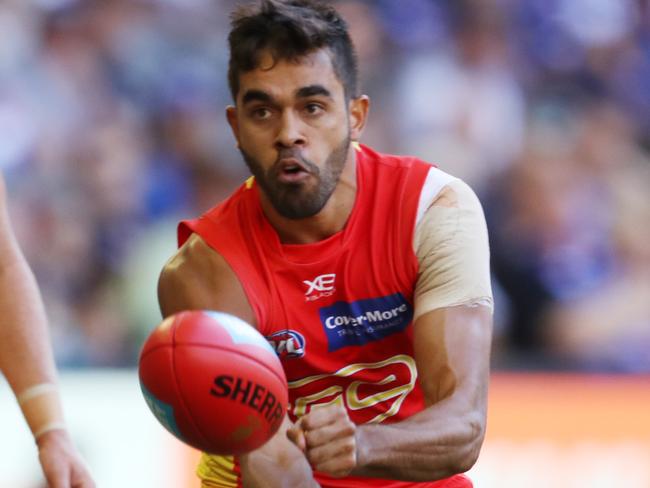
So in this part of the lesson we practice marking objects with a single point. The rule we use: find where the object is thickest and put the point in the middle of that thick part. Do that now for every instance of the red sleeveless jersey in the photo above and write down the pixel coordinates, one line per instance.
(338, 312)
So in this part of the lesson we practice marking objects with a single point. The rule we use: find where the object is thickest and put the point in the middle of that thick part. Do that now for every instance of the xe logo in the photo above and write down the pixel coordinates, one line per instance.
(322, 286)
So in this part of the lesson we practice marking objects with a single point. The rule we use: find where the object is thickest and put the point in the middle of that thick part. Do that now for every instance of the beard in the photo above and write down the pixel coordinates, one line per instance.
(304, 199)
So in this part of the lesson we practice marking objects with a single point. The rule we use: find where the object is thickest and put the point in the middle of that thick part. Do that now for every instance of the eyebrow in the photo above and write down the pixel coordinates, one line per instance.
(256, 96)
(313, 90)
(304, 92)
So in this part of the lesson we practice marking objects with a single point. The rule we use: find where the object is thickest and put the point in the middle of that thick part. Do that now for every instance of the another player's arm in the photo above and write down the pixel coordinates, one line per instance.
(452, 336)
(26, 359)
(197, 277)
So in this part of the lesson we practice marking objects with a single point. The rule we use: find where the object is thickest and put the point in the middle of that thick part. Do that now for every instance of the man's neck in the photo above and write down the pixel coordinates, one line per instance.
(330, 220)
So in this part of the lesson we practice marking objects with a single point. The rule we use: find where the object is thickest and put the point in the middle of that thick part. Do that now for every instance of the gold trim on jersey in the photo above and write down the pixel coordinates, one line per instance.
(354, 402)
(217, 471)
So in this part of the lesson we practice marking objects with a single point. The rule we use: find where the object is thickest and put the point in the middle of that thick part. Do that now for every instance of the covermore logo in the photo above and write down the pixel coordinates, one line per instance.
(363, 321)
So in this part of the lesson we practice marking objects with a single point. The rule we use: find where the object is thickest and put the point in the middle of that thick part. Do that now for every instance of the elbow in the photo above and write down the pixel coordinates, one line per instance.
(468, 449)
(466, 459)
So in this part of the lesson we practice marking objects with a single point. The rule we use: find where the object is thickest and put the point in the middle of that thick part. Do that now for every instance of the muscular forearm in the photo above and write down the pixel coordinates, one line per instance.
(260, 470)
(277, 464)
(434, 444)
(452, 356)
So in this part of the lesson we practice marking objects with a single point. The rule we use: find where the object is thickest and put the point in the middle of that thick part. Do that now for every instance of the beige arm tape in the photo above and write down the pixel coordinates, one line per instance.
(42, 408)
(451, 243)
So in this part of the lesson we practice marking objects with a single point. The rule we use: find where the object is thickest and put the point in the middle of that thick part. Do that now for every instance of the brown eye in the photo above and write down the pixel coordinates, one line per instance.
(261, 113)
(313, 109)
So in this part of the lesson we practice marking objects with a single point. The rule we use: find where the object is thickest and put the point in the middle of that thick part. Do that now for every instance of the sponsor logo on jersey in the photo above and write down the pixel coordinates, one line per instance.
(287, 344)
(363, 321)
(371, 391)
(322, 286)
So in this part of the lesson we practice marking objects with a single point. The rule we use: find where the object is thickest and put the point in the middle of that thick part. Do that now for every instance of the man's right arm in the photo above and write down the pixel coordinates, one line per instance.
(198, 278)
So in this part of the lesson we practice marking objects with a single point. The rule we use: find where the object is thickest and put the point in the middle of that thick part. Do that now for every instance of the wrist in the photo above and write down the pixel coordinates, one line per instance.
(41, 408)
(49, 428)
(55, 434)
(362, 447)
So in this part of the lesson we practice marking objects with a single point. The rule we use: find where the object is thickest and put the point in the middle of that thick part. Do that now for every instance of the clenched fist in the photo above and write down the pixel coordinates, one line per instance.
(327, 436)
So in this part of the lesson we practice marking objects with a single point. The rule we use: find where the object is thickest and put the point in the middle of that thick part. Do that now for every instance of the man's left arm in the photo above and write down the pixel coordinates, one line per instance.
(452, 341)
(452, 353)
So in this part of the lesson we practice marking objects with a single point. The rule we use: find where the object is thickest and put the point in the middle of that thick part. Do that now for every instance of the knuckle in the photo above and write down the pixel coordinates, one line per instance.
(314, 456)
(348, 449)
(311, 458)
(311, 438)
(305, 422)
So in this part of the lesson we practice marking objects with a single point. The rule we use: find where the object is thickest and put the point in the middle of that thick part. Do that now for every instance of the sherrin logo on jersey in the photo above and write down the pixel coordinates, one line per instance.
(363, 321)
(288, 344)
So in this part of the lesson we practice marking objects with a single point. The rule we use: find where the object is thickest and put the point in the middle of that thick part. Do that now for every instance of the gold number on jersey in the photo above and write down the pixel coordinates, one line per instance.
(335, 393)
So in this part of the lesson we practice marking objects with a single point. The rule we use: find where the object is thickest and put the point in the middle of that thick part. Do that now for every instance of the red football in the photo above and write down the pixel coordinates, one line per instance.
(213, 381)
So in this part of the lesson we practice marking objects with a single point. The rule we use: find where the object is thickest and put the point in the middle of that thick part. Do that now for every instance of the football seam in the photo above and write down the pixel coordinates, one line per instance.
(181, 396)
(144, 354)
(282, 379)
(173, 345)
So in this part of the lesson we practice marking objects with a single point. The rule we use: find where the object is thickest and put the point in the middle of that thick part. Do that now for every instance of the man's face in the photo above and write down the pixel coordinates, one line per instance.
(292, 125)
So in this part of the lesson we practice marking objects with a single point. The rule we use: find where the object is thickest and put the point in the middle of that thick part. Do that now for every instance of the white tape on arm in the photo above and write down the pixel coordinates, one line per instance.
(49, 428)
(35, 391)
(453, 250)
(42, 408)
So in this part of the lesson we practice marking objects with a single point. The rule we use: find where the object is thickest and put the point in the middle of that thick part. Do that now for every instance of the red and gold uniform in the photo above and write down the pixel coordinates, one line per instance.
(340, 312)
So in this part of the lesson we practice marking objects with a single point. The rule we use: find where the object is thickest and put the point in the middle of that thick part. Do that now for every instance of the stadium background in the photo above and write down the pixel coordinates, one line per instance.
(112, 128)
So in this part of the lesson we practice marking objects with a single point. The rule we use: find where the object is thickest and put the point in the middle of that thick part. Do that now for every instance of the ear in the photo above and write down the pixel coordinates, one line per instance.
(358, 114)
(231, 117)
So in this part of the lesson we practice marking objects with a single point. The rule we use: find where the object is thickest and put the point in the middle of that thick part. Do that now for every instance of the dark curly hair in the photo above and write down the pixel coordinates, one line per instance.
(289, 30)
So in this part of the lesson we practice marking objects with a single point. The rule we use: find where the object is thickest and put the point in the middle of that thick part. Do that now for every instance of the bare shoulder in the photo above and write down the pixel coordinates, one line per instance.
(198, 277)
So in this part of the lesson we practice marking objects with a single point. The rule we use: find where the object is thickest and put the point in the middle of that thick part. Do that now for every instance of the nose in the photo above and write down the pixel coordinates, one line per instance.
(290, 132)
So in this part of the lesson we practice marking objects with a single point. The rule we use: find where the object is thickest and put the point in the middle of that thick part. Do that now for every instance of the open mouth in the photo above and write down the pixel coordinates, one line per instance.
(292, 171)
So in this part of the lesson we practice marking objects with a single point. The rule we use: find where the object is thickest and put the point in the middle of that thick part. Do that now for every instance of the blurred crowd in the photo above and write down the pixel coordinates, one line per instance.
(113, 128)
